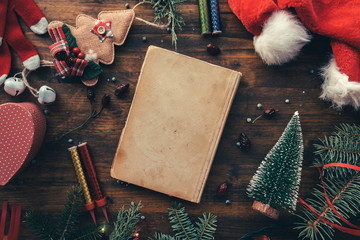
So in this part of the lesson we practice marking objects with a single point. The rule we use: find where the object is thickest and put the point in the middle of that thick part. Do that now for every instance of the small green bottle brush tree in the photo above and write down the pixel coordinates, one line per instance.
(342, 184)
(275, 184)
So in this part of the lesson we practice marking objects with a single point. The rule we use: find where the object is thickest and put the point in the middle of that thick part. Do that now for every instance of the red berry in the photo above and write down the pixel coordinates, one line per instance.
(269, 112)
(222, 190)
(81, 55)
(213, 49)
(123, 88)
(76, 51)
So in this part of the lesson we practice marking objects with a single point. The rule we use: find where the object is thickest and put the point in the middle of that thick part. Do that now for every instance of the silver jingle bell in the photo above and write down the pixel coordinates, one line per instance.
(47, 95)
(14, 86)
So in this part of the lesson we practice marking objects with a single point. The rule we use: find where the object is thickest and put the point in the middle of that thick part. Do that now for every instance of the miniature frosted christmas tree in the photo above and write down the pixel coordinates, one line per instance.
(275, 184)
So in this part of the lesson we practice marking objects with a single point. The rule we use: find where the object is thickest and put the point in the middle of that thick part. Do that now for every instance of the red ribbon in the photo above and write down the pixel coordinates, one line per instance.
(356, 231)
(344, 165)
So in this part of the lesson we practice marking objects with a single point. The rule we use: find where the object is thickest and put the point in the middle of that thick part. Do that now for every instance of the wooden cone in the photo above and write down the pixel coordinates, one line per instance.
(266, 210)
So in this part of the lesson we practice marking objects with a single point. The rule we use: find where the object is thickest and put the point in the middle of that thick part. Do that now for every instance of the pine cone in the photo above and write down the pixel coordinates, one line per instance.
(244, 142)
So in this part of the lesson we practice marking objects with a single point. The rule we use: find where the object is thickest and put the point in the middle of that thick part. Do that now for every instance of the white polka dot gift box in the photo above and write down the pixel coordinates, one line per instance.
(22, 130)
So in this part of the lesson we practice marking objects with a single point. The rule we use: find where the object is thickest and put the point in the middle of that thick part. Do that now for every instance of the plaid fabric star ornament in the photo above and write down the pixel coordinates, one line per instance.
(102, 30)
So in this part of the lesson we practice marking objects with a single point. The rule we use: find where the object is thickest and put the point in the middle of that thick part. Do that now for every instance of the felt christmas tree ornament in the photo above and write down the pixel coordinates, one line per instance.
(87, 39)
(12, 35)
(280, 35)
(78, 50)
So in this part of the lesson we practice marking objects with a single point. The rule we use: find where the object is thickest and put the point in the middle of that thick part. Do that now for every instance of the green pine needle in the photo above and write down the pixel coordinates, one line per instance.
(169, 9)
(342, 184)
(181, 223)
(344, 195)
(40, 225)
(126, 222)
(70, 215)
(90, 232)
(206, 227)
(161, 236)
(342, 147)
(183, 227)
(68, 227)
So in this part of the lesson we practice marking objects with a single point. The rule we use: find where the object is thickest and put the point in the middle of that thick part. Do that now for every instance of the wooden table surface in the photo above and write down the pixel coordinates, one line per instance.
(44, 184)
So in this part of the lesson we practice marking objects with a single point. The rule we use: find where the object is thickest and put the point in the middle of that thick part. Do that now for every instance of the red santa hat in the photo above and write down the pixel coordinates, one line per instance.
(280, 36)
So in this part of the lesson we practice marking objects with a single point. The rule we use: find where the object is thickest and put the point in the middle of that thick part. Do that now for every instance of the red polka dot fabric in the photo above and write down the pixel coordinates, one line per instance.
(22, 130)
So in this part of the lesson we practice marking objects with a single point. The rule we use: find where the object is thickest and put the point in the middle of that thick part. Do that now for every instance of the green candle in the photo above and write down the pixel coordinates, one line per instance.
(204, 17)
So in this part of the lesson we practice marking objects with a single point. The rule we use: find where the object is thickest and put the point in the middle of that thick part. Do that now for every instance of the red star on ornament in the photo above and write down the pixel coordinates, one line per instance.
(102, 30)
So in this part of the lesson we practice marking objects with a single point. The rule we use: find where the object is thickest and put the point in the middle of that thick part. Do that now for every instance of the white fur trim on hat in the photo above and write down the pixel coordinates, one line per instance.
(282, 38)
(32, 63)
(2, 78)
(337, 87)
(41, 27)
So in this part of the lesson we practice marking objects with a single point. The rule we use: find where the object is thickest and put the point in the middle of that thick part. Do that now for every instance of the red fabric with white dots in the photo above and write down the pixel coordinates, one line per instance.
(22, 130)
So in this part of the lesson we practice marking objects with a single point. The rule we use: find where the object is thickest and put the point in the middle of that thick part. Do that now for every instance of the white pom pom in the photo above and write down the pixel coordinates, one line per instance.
(32, 63)
(2, 78)
(282, 38)
(41, 27)
(337, 87)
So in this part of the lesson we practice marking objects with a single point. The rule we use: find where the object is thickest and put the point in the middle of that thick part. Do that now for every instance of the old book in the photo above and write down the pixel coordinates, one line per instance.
(174, 124)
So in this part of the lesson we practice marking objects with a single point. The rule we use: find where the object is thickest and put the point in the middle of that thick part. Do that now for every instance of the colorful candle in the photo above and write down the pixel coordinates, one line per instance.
(204, 17)
(90, 205)
(215, 16)
(91, 174)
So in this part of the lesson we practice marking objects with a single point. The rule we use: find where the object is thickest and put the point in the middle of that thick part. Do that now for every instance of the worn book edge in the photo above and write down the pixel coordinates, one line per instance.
(215, 142)
(217, 136)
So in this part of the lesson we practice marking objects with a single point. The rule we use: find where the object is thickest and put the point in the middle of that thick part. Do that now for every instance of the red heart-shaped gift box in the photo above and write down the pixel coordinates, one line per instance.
(22, 131)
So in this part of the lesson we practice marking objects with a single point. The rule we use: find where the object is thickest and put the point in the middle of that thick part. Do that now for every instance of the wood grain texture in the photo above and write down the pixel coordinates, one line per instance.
(43, 185)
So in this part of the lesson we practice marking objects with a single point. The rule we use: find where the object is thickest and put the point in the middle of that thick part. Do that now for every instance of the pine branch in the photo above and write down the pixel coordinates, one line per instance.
(345, 129)
(184, 228)
(206, 227)
(126, 222)
(182, 224)
(90, 232)
(169, 9)
(342, 147)
(345, 197)
(161, 236)
(70, 215)
(40, 225)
